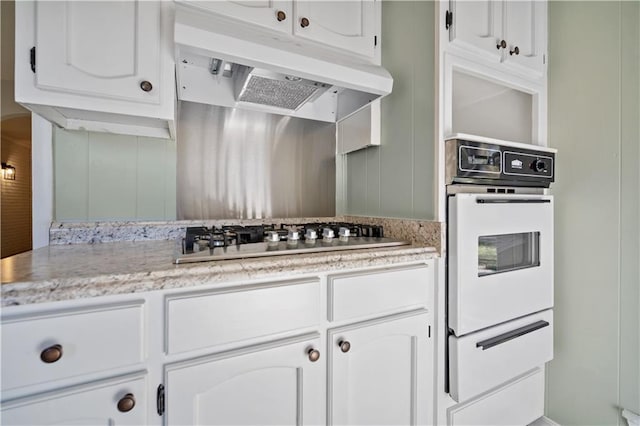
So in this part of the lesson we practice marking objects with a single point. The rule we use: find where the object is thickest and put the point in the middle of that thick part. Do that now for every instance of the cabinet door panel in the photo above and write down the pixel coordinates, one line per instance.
(524, 28)
(88, 405)
(99, 48)
(347, 25)
(257, 12)
(268, 385)
(477, 25)
(384, 377)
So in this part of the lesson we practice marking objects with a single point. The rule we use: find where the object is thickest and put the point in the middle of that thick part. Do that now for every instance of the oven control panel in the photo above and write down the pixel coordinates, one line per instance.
(505, 164)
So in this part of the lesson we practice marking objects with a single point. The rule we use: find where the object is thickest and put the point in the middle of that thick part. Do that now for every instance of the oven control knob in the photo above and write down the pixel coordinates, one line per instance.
(273, 237)
(539, 165)
(327, 233)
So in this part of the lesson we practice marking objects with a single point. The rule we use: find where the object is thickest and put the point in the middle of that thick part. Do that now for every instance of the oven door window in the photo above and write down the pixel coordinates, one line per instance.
(508, 252)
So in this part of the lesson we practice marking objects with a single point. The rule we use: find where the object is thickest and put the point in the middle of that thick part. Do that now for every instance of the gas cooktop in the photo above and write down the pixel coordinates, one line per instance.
(202, 244)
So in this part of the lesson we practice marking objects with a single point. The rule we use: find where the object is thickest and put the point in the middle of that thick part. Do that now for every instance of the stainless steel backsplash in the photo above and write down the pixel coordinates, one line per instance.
(240, 164)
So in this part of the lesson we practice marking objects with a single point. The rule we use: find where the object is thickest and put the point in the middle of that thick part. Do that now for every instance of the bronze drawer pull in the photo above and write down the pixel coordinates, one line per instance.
(126, 403)
(51, 354)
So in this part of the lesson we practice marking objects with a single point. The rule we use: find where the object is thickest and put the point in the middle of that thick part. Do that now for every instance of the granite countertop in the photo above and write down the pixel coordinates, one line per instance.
(63, 272)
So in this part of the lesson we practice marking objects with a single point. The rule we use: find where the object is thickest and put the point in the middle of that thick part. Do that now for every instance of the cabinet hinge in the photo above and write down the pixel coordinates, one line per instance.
(544, 59)
(375, 40)
(448, 20)
(160, 399)
(429, 332)
(33, 59)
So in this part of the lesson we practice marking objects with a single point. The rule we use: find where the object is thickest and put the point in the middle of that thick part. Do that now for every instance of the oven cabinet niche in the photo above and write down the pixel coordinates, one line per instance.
(380, 371)
(98, 66)
(512, 33)
(347, 26)
(273, 384)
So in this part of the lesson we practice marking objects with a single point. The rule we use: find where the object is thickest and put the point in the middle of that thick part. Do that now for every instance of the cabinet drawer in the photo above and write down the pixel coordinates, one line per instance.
(518, 403)
(371, 293)
(98, 403)
(84, 341)
(486, 359)
(228, 315)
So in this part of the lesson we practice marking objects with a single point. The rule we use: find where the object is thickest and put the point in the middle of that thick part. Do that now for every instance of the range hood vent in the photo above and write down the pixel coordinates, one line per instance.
(223, 63)
(279, 90)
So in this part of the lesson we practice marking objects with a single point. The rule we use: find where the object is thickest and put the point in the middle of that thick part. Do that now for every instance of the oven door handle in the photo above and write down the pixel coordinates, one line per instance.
(511, 201)
(510, 335)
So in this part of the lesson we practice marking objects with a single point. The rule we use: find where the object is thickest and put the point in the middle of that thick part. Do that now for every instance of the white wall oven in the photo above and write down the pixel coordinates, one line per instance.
(499, 262)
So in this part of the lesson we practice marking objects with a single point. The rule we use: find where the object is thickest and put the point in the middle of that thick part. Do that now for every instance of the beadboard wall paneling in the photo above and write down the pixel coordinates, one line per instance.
(397, 179)
(15, 203)
(594, 119)
(101, 176)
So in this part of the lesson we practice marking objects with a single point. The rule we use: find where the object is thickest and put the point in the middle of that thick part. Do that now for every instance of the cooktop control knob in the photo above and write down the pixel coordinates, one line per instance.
(273, 237)
(344, 233)
(539, 165)
(327, 233)
(293, 235)
(311, 235)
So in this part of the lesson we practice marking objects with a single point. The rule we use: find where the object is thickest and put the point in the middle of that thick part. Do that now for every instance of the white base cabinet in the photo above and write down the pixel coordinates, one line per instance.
(380, 373)
(113, 402)
(101, 66)
(260, 352)
(276, 384)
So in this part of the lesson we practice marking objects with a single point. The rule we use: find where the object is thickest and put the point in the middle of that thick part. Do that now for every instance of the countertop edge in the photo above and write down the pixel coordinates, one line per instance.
(206, 273)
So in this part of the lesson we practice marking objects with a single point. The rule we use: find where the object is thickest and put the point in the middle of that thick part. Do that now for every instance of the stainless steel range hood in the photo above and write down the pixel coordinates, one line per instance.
(222, 63)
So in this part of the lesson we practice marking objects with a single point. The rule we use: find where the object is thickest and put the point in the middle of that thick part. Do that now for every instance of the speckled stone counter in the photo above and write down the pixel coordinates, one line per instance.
(63, 272)
(417, 231)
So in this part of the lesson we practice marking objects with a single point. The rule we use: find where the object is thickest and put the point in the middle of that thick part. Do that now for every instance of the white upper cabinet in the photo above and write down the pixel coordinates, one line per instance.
(524, 30)
(347, 25)
(107, 49)
(509, 32)
(102, 66)
(476, 26)
(275, 15)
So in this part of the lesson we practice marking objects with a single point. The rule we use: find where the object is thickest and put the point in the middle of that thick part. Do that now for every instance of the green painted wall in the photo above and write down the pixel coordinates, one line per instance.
(100, 176)
(397, 178)
(594, 121)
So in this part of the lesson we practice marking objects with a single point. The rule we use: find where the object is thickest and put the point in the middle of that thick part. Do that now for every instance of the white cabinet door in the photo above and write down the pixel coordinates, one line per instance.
(273, 14)
(276, 384)
(380, 372)
(116, 402)
(477, 26)
(107, 49)
(513, 32)
(525, 29)
(347, 25)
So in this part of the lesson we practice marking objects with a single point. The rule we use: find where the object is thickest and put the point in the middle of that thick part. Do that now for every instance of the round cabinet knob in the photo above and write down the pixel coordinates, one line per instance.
(516, 51)
(126, 403)
(281, 16)
(314, 355)
(539, 165)
(345, 346)
(304, 22)
(501, 45)
(51, 354)
(146, 86)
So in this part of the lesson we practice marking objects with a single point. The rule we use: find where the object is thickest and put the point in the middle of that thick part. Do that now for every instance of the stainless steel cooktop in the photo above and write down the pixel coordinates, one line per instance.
(202, 244)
